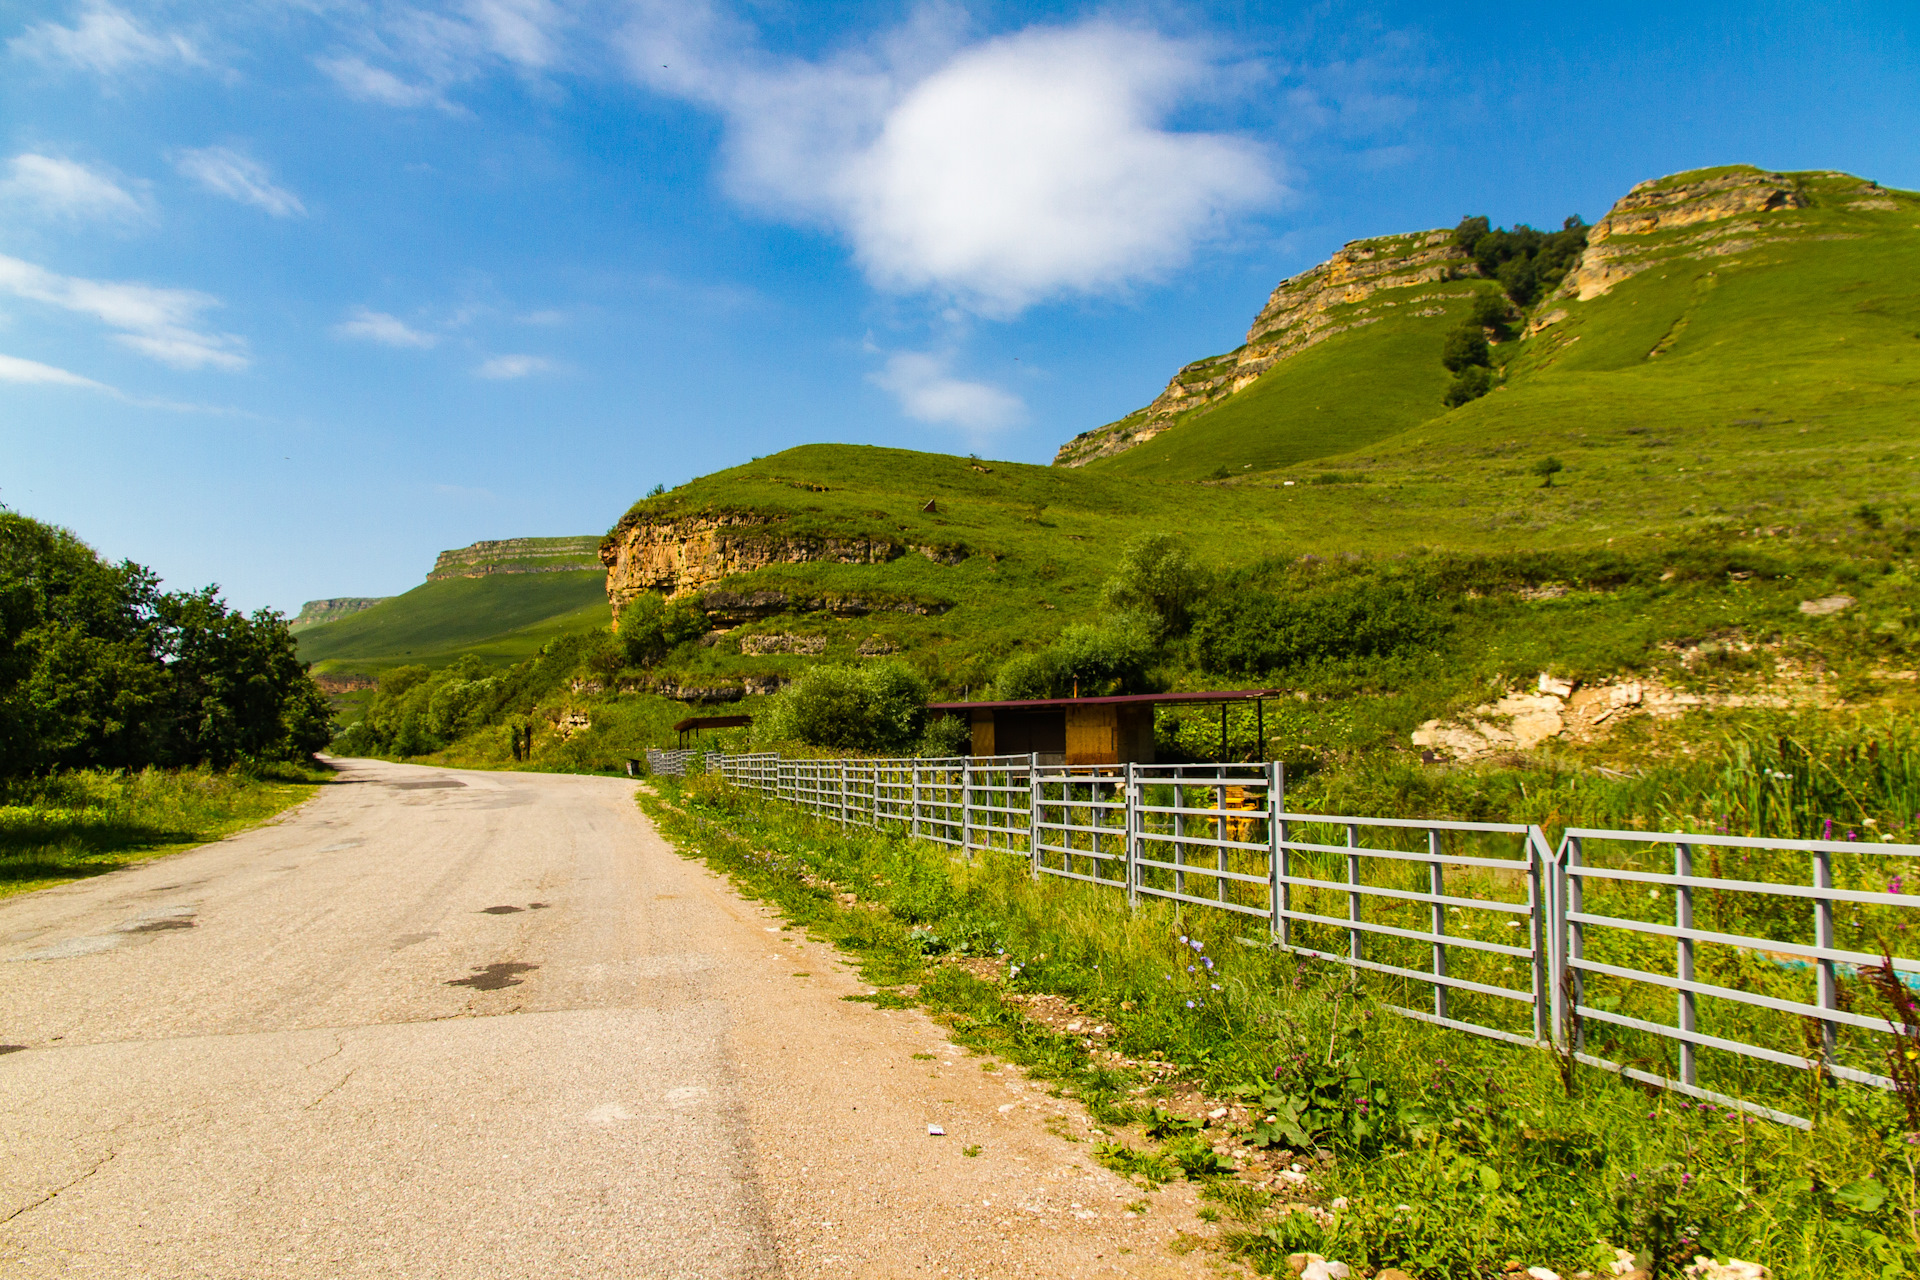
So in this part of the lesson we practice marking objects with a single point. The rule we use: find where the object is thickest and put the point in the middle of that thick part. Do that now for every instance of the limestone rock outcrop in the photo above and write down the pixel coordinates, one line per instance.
(517, 555)
(691, 555)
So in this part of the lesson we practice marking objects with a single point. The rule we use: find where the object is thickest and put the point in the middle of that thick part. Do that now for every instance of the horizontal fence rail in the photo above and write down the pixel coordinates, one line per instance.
(1700, 964)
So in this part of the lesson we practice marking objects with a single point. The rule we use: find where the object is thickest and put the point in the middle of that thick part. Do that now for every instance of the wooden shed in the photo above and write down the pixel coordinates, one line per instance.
(1111, 730)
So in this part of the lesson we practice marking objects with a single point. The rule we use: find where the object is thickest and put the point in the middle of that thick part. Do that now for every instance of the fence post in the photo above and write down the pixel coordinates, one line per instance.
(1353, 898)
(1130, 837)
(1437, 919)
(913, 811)
(1574, 898)
(1277, 899)
(1033, 815)
(966, 808)
(1683, 954)
(1553, 945)
(1823, 938)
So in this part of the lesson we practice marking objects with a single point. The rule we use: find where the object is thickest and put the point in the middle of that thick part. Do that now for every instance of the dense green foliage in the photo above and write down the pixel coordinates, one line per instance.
(651, 627)
(879, 708)
(99, 667)
(1527, 263)
(1115, 655)
(85, 822)
(1155, 572)
(1249, 632)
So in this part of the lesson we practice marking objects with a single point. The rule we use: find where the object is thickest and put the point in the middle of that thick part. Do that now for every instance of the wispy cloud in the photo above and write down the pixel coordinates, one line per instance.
(998, 174)
(928, 392)
(411, 56)
(377, 84)
(107, 41)
(164, 324)
(32, 372)
(515, 367)
(238, 176)
(378, 326)
(56, 188)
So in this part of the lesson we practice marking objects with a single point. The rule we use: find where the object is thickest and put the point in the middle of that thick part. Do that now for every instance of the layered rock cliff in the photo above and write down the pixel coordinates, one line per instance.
(1304, 310)
(518, 555)
(684, 555)
(315, 612)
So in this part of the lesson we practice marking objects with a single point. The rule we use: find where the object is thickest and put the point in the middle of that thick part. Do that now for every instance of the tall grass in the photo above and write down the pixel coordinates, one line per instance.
(86, 822)
(1452, 1155)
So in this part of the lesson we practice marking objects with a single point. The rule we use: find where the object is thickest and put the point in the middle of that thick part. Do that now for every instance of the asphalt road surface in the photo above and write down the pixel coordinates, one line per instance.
(439, 1023)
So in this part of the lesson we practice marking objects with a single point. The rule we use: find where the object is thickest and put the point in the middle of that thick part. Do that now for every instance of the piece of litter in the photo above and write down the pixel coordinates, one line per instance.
(1008, 1106)
(935, 1131)
(1216, 1113)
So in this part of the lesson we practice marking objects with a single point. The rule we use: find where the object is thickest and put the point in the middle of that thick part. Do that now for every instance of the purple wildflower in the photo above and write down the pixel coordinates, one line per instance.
(1896, 884)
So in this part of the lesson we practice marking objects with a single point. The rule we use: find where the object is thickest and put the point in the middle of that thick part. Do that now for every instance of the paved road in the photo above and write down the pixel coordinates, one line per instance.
(441, 1023)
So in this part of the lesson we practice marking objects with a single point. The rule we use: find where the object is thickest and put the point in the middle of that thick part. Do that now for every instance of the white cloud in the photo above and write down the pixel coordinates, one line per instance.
(410, 56)
(375, 84)
(929, 393)
(105, 40)
(15, 369)
(161, 323)
(378, 326)
(238, 177)
(53, 187)
(1027, 167)
(515, 366)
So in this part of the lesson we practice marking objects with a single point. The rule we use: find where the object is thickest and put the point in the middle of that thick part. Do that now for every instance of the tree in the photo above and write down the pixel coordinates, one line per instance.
(1155, 573)
(1464, 348)
(880, 707)
(1112, 656)
(99, 668)
(1546, 469)
(1474, 381)
(652, 626)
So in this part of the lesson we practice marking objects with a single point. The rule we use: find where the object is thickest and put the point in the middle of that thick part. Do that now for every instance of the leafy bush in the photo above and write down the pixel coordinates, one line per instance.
(1465, 347)
(1473, 382)
(944, 736)
(1255, 633)
(880, 707)
(1156, 573)
(1113, 656)
(651, 627)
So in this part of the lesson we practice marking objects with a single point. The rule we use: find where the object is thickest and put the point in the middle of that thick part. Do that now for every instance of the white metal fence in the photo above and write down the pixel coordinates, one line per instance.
(1696, 963)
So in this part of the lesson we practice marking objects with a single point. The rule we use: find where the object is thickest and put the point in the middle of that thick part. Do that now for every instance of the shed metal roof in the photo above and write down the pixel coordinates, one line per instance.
(1115, 700)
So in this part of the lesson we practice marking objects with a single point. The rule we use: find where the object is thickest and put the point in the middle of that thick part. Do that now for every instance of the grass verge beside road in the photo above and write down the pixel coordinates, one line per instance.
(87, 822)
(1316, 1120)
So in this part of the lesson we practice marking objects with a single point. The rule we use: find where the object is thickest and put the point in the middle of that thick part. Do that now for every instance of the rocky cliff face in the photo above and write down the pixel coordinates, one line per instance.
(690, 555)
(518, 555)
(1626, 241)
(1307, 309)
(315, 612)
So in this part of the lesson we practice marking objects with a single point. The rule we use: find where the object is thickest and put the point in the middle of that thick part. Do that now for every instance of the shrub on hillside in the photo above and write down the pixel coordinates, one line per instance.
(878, 707)
(1259, 633)
(1155, 573)
(1113, 656)
(1472, 383)
(1465, 347)
(651, 627)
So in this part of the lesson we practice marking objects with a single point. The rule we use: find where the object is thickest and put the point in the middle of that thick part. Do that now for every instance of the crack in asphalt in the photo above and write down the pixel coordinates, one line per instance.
(67, 1186)
(337, 1085)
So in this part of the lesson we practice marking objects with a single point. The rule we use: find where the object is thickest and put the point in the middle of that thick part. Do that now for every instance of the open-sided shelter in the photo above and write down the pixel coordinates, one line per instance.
(1109, 730)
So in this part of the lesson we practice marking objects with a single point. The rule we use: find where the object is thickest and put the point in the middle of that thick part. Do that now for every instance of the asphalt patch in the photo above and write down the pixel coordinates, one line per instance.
(158, 926)
(494, 977)
(11, 1048)
(500, 911)
(441, 784)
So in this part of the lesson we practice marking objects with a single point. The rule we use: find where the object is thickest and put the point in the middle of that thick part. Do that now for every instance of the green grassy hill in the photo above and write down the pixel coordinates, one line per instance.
(1803, 311)
(501, 618)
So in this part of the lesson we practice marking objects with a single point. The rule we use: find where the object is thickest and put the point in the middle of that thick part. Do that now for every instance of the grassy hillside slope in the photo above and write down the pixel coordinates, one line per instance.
(1808, 314)
(1342, 394)
(500, 618)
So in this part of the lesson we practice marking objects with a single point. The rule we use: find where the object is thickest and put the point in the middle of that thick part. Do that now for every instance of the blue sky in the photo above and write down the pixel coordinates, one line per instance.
(295, 293)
